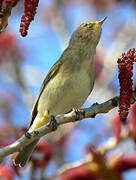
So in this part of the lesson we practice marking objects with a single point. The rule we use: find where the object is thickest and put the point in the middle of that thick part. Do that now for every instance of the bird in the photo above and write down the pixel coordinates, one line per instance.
(68, 83)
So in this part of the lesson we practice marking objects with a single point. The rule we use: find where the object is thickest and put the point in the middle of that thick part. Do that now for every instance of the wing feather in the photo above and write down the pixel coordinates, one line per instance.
(55, 68)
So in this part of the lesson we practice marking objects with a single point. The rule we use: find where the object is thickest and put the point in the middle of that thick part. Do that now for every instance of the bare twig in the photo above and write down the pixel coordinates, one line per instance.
(74, 115)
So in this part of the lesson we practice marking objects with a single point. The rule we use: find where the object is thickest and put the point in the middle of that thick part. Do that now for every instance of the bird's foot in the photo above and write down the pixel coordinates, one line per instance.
(53, 123)
(79, 113)
(36, 133)
(28, 135)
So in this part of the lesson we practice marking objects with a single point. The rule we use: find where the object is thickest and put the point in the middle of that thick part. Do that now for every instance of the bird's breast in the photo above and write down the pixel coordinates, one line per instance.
(67, 90)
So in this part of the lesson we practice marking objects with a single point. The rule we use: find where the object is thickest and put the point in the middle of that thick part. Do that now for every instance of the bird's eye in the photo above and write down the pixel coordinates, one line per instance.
(85, 25)
(89, 25)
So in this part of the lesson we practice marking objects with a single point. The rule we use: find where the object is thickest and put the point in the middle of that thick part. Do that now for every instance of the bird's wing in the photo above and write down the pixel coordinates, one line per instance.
(49, 76)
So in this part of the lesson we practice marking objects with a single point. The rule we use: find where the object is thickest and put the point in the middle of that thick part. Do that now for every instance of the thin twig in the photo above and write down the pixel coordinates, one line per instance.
(74, 115)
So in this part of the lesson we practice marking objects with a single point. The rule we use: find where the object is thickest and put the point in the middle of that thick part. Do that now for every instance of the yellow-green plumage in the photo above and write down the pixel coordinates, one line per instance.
(68, 83)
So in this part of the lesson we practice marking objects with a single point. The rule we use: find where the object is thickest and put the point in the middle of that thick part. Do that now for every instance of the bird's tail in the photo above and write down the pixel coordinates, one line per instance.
(20, 158)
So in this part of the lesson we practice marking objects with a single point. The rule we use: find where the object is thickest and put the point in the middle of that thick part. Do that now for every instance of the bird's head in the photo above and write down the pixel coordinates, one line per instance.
(87, 33)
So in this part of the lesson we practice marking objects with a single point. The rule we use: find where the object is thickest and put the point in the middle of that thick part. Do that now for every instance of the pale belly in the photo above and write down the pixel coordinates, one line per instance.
(63, 94)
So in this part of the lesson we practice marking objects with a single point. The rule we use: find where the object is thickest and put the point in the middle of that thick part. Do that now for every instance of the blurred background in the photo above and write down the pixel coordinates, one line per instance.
(25, 61)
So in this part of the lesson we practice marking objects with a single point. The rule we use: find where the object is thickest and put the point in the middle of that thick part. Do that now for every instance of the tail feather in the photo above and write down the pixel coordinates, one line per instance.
(21, 158)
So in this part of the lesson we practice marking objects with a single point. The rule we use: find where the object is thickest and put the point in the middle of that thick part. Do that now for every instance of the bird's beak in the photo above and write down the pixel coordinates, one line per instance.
(101, 21)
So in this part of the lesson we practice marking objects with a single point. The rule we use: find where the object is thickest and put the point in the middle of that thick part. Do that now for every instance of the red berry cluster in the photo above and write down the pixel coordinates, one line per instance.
(29, 13)
(125, 68)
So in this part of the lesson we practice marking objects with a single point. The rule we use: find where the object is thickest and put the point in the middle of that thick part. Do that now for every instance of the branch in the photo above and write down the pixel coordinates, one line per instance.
(73, 116)
(5, 13)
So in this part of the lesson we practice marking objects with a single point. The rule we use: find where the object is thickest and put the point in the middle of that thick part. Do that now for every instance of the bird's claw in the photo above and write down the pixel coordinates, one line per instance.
(28, 135)
(79, 113)
(53, 123)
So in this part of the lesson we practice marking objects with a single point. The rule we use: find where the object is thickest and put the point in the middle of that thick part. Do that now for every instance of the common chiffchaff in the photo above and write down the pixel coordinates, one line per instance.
(68, 83)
